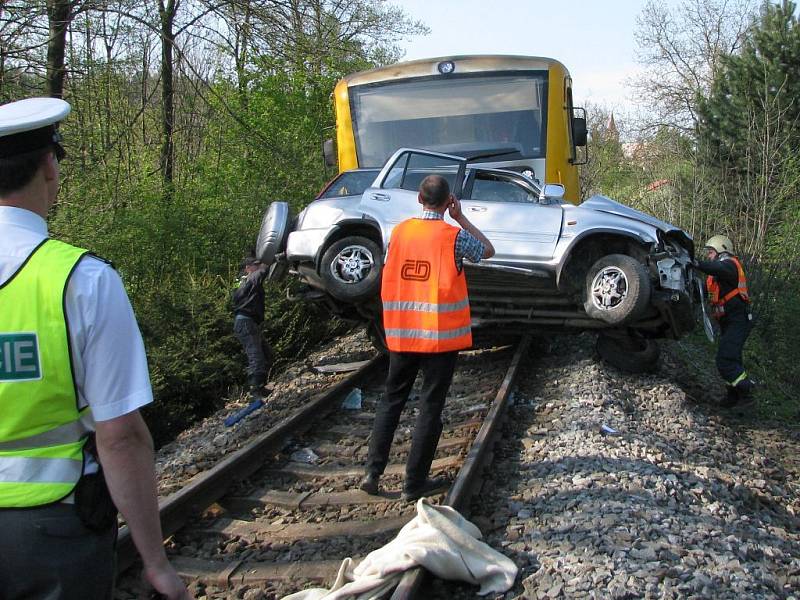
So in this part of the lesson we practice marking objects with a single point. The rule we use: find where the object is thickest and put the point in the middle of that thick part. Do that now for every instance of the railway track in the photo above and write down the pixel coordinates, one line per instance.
(280, 514)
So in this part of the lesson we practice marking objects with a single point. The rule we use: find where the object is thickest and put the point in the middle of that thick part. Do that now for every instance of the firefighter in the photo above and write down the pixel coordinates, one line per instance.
(730, 306)
(427, 321)
(73, 377)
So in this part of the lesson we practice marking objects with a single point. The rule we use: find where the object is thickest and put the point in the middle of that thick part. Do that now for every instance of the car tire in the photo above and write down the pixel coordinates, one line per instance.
(617, 290)
(631, 354)
(351, 269)
(274, 232)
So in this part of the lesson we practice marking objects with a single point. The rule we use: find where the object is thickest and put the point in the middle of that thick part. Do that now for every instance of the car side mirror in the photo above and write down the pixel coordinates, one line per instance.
(579, 133)
(329, 153)
(553, 191)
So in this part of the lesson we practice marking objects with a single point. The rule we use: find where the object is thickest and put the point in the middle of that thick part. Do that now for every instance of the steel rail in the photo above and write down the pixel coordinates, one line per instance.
(211, 485)
(469, 476)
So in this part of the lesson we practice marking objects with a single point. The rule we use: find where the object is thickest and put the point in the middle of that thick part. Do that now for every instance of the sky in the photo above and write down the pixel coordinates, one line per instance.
(594, 39)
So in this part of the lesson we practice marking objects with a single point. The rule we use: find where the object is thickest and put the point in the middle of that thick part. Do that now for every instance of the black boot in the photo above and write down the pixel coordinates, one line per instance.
(731, 398)
(370, 483)
(428, 487)
(744, 391)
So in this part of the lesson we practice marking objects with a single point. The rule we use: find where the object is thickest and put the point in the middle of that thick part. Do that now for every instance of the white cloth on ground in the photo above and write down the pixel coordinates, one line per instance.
(438, 539)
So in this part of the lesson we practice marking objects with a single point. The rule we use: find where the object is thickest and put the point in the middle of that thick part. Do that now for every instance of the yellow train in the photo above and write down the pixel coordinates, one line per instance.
(511, 112)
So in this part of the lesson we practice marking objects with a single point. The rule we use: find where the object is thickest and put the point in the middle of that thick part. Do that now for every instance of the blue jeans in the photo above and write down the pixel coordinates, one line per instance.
(248, 332)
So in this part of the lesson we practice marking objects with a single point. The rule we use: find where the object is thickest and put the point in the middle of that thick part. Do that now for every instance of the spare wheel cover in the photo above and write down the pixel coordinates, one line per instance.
(273, 233)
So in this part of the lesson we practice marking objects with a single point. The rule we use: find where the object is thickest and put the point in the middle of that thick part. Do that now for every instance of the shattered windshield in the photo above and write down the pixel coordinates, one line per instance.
(473, 113)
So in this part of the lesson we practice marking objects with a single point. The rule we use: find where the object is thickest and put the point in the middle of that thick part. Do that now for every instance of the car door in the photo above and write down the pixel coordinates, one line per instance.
(508, 210)
(395, 199)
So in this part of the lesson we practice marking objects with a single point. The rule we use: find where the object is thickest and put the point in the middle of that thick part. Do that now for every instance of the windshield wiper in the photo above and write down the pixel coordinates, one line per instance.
(492, 154)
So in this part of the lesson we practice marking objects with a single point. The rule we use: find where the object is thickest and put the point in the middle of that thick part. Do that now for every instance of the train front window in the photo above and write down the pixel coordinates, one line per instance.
(484, 113)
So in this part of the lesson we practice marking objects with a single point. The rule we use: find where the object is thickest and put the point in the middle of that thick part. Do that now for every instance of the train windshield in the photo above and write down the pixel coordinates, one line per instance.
(472, 114)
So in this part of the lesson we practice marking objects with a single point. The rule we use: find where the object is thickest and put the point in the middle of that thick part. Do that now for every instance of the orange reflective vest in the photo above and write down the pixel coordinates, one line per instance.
(425, 302)
(717, 302)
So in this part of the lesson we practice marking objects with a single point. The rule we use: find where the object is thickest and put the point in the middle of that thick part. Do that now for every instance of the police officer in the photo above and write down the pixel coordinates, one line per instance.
(73, 375)
(427, 321)
(730, 305)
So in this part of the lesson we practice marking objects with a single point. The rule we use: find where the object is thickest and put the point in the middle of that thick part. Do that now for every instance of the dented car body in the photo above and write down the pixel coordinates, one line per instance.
(598, 265)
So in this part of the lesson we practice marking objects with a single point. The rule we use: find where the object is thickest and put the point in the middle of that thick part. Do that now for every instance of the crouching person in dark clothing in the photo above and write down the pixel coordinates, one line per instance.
(730, 306)
(248, 309)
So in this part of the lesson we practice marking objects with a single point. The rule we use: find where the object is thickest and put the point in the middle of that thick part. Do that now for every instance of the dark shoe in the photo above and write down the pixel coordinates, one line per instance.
(370, 484)
(434, 485)
(731, 399)
(745, 389)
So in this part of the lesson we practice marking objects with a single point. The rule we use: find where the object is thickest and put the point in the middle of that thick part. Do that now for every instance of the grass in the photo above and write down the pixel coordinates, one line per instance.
(777, 398)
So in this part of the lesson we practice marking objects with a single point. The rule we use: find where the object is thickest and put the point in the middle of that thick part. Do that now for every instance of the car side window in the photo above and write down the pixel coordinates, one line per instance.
(493, 189)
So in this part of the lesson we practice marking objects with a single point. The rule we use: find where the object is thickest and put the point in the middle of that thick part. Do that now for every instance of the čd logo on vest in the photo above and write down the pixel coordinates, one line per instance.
(416, 270)
(19, 357)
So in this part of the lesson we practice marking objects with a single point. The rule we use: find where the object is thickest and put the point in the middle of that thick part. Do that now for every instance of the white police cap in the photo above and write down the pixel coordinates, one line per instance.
(28, 125)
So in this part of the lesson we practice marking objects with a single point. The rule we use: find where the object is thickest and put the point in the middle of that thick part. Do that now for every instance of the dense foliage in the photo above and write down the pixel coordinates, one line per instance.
(251, 85)
(734, 170)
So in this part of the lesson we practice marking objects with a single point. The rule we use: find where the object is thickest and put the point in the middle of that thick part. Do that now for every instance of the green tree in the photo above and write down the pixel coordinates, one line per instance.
(749, 125)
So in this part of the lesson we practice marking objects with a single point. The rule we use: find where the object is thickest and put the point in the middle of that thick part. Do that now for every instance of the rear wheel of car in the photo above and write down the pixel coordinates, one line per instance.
(617, 289)
(351, 269)
(629, 353)
(274, 232)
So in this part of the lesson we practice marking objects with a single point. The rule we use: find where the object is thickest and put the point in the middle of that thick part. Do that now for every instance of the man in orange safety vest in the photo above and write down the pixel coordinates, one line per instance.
(427, 321)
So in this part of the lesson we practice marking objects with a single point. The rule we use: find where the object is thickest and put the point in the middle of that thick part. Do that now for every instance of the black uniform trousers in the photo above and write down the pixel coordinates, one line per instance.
(46, 553)
(437, 372)
(734, 328)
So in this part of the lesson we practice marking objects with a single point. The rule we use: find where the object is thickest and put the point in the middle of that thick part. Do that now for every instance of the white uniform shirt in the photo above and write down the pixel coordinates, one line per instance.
(108, 355)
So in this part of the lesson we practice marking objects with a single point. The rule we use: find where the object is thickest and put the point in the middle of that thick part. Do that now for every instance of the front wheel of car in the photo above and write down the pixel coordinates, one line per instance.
(351, 269)
(629, 353)
(617, 290)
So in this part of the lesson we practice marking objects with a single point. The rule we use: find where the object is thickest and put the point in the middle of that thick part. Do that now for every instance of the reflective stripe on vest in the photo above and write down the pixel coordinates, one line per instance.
(425, 302)
(42, 430)
(426, 306)
(39, 470)
(425, 334)
(713, 287)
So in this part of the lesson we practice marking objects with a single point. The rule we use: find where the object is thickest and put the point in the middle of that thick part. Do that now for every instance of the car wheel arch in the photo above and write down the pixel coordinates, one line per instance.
(348, 228)
(592, 245)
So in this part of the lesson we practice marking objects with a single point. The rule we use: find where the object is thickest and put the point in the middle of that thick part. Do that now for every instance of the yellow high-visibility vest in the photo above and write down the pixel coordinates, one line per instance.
(42, 429)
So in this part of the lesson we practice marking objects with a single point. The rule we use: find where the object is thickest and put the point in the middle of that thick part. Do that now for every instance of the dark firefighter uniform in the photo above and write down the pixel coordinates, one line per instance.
(730, 306)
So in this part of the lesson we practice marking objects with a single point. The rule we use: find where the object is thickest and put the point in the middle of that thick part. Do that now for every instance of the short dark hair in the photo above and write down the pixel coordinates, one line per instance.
(18, 171)
(435, 191)
(248, 261)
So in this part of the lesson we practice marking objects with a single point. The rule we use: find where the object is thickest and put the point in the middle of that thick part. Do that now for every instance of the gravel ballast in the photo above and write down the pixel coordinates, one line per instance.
(676, 500)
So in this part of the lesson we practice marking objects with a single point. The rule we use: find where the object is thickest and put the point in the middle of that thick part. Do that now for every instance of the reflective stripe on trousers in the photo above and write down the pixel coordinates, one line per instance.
(739, 379)
(17, 469)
